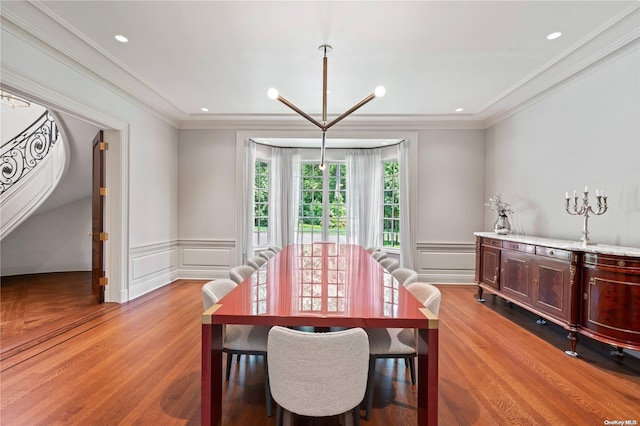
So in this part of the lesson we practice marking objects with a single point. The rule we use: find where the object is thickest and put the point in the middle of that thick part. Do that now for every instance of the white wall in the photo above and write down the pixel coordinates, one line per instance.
(15, 120)
(142, 160)
(450, 191)
(585, 133)
(54, 241)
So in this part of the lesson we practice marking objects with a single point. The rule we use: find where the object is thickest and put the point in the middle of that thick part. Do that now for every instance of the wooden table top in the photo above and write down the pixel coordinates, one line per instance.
(322, 285)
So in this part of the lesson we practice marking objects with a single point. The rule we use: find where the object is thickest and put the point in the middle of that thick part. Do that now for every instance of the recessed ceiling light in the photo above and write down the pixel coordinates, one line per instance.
(554, 36)
(459, 109)
(121, 38)
(204, 109)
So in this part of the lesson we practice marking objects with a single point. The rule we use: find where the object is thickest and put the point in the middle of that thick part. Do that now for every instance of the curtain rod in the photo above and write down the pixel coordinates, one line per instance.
(297, 147)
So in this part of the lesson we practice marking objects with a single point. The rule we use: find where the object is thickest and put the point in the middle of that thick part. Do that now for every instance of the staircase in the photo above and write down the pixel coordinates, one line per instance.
(31, 166)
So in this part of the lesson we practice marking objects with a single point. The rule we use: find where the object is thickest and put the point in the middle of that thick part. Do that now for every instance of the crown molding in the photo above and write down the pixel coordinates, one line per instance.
(356, 122)
(617, 33)
(29, 33)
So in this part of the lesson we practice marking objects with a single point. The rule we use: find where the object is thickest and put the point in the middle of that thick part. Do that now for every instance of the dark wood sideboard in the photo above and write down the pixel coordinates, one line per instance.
(592, 290)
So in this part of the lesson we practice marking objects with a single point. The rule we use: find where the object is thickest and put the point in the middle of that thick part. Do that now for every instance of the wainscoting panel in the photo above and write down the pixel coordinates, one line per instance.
(206, 259)
(152, 267)
(446, 263)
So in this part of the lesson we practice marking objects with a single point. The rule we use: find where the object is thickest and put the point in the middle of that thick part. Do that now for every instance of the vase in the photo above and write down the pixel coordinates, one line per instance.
(502, 225)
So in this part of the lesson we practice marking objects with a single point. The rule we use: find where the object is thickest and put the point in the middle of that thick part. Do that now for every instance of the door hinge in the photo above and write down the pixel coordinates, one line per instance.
(103, 191)
(103, 146)
(104, 236)
(103, 281)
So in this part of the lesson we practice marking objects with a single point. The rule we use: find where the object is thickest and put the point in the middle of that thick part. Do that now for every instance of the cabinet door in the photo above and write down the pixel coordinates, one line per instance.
(551, 292)
(611, 309)
(490, 266)
(515, 276)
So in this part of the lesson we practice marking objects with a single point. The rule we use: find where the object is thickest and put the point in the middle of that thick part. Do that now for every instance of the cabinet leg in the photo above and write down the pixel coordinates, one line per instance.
(480, 298)
(573, 342)
(618, 353)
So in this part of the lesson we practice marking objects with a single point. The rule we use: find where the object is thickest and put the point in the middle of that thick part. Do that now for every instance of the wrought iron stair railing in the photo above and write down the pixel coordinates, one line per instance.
(23, 153)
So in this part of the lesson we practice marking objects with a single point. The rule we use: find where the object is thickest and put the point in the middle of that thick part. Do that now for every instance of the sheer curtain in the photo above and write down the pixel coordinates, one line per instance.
(364, 197)
(284, 194)
(248, 197)
(406, 236)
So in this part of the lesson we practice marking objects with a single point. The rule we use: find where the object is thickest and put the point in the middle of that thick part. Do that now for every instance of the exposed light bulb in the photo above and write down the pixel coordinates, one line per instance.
(272, 93)
(322, 166)
(380, 91)
(204, 109)
(554, 35)
(121, 38)
(459, 109)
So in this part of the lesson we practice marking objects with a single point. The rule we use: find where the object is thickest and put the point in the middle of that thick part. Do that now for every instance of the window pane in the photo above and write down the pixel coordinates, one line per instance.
(391, 209)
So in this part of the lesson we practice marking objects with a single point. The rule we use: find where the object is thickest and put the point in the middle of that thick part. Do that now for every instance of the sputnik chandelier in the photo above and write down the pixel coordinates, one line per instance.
(324, 125)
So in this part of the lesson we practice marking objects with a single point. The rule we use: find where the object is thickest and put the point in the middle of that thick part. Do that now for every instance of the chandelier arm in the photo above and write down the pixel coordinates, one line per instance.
(324, 89)
(302, 113)
(352, 109)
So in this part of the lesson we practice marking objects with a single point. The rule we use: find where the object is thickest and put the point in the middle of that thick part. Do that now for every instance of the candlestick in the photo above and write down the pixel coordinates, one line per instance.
(585, 209)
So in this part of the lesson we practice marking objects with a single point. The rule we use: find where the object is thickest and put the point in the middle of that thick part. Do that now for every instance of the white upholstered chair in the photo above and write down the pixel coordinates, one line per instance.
(240, 273)
(405, 276)
(379, 255)
(256, 262)
(275, 249)
(267, 254)
(370, 250)
(399, 342)
(390, 264)
(318, 374)
(239, 339)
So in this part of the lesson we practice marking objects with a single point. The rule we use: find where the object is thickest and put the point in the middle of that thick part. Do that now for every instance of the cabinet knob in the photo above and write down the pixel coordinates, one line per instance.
(585, 296)
(550, 252)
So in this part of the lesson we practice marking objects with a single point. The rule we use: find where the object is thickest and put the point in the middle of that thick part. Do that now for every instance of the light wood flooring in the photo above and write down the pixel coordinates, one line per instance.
(140, 364)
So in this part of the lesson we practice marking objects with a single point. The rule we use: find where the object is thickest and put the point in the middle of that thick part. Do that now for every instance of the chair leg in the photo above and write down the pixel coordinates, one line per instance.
(372, 372)
(356, 416)
(267, 388)
(229, 361)
(278, 415)
(412, 369)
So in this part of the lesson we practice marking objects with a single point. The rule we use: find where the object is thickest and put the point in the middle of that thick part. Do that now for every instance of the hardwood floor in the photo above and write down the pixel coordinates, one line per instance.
(140, 364)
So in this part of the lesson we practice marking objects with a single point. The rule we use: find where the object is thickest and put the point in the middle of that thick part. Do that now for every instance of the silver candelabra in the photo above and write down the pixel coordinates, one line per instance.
(585, 209)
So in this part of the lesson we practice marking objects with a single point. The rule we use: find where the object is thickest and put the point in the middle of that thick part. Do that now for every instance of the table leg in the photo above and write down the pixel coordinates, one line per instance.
(211, 379)
(428, 377)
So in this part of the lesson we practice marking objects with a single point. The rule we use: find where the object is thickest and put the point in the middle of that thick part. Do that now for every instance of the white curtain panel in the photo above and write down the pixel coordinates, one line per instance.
(364, 197)
(283, 198)
(406, 236)
(248, 197)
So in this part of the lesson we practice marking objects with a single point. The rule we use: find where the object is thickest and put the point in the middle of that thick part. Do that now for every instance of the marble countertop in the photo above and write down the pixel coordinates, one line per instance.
(564, 244)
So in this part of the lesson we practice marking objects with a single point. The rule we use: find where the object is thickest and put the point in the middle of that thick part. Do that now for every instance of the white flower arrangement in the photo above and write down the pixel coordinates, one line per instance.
(497, 204)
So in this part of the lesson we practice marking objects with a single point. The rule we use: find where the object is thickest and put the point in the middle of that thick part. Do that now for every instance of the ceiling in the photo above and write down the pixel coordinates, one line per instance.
(432, 57)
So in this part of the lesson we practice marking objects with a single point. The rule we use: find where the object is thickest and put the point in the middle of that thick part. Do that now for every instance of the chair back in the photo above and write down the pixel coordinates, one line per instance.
(405, 276)
(379, 255)
(275, 249)
(240, 273)
(390, 264)
(318, 374)
(428, 294)
(256, 262)
(266, 254)
(215, 290)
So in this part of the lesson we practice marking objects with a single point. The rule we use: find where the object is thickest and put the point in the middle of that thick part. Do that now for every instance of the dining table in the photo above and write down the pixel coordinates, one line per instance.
(321, 285)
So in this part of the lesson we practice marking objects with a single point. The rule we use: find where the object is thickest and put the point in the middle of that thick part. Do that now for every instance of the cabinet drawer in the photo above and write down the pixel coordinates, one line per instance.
(626, 264)
(526, 248)
(491, 242)
(553, 253)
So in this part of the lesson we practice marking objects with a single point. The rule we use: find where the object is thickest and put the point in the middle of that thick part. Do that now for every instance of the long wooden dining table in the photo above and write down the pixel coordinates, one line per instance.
(321, 285)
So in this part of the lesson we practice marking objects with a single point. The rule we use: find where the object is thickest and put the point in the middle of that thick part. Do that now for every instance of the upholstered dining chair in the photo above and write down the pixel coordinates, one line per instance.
(399, 342)
(267, 254)
(379, 255)
(239, 339)
(275, 249)
(370, 250)
(405, 276)
(256, 262)
(318, 374)
(390, 264)
(240, 273)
